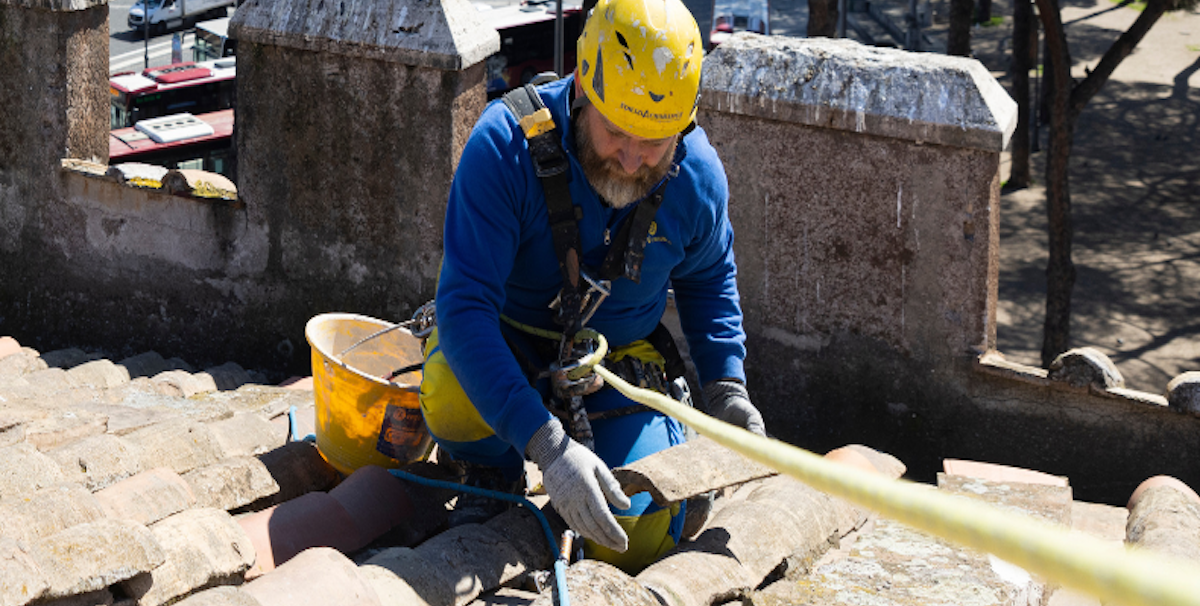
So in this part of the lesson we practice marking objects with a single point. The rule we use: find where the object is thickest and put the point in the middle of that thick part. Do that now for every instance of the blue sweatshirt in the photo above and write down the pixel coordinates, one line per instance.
(499, 259)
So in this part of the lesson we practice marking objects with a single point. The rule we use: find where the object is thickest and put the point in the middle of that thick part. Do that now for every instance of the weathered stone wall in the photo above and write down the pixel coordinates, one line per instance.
(349, 124)
(54, 68)
(865, 197)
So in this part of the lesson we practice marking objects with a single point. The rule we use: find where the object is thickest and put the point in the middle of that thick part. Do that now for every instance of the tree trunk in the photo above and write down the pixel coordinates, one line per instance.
(1060, 270)
(822, 18)
(1022, 62)
(958, 37)
(983, 12)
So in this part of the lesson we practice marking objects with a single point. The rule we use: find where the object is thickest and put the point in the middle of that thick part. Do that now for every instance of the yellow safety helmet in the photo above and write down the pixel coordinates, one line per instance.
(639, 64)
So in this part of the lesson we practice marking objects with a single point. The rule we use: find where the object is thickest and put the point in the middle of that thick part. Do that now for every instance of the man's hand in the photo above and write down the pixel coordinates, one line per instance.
(578, 484)
(729, 401)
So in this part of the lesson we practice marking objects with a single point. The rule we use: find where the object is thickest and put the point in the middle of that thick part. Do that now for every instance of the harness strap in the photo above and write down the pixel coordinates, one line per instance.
(626, 256)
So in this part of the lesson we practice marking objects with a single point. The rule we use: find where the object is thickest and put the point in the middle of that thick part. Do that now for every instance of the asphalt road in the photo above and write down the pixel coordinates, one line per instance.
(127, 49)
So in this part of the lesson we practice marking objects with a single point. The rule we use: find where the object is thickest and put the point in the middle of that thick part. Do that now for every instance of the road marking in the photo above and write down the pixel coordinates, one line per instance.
(131, 58)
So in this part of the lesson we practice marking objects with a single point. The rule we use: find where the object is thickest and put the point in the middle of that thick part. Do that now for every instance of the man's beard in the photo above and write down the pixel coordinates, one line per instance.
(616, 187)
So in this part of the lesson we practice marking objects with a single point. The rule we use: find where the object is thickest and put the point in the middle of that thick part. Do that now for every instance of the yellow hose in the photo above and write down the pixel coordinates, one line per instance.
(1113, 573)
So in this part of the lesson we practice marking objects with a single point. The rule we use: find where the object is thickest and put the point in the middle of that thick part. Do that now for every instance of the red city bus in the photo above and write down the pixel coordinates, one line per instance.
(202, 142)
(170, 89)
(527, 41)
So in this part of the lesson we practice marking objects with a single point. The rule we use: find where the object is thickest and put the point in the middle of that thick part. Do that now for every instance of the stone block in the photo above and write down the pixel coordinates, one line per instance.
(1183, 392)
(179, 444)
(231, 483)
(318, 576)
(64, 427)
(228, 376)
(203, 547)
(220, 596)
(89, 557)
(187, 384)
(312, 520)
(247, 434)
(148, 496)
(24, 470)
(48, 511)
(1086, 366)
(21, 579)
(100, 374)
(843, 85)
(298, 468)
(147, 364)
(424, 577)
(100, 460)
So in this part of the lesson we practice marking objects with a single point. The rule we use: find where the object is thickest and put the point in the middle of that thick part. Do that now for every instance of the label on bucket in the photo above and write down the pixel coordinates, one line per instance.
(401, 429)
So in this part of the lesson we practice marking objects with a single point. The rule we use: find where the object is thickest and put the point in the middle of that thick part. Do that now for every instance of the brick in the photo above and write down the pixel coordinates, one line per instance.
(376, 501)
(145, 364)
(99, 460)
(180, 444)
(220, 596)
(426, 578)
(65, 427)
(21, 580)
(147, 497)
(228, 376)
(48, 511)
(312, 520)
(9, 346)
(89, 557)
(203, 547)
(186, 383)
(247, 434)
(319, 576)
(298, 468)
(23, 470)
(100, 374)
(231, 483)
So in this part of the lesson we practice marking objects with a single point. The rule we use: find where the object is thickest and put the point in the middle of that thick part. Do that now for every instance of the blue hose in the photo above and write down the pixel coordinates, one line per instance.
(560, 563)
(560, 569)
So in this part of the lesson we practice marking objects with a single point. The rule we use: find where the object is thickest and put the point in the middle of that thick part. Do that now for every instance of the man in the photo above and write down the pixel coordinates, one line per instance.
(624, 121)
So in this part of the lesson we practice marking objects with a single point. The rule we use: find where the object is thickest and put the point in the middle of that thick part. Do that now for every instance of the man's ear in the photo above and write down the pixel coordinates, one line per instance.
(578, 86)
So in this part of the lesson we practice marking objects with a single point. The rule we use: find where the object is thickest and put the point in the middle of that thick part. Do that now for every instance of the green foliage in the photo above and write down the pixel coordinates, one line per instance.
(993, 22)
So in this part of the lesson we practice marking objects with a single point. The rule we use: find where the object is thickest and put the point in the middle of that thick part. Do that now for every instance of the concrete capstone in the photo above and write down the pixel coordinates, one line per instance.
(843, 85)
(1183, 392)
(1086, 366)
(448, 35)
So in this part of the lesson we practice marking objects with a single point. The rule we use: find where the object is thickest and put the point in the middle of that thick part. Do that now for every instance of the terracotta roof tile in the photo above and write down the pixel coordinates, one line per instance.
(23, 470)
(99, 461)
(181, 444)
(312, 520)
(148, 496)
(316, 577)
(48, 511)
(21, 579)
(8, 346)
(247, 434)
(92, 556)
(231, 483)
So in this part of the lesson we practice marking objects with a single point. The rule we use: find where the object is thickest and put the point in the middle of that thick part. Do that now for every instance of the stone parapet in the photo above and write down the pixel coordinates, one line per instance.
(840, 84)
(58, 6)
(441, 34)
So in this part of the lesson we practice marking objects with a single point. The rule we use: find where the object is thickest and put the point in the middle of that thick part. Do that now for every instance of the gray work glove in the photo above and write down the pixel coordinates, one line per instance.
(578, 484)
(729, 401)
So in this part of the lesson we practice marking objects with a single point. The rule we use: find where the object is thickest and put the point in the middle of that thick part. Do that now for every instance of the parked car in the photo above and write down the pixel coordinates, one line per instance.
(165, 14)
(732, 16)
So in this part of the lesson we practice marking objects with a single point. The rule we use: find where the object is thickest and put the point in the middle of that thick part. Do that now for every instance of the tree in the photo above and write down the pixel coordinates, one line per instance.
(958, 34)
(1023, 46)
(1066, 100)
(822, 18)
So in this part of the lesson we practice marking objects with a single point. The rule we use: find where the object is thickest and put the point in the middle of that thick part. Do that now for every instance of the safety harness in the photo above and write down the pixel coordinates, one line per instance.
(583, 289)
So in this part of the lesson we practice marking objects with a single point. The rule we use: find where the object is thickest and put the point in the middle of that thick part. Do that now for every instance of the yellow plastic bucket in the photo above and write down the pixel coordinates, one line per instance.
(362, 418)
